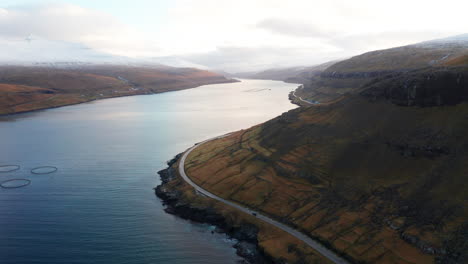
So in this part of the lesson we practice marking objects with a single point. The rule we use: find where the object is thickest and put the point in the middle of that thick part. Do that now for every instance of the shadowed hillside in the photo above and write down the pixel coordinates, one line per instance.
(31, 88)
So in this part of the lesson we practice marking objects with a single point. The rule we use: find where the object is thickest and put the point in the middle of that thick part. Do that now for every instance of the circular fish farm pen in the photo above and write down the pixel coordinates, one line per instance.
(15, 183)
(9, 168)
(44, 170)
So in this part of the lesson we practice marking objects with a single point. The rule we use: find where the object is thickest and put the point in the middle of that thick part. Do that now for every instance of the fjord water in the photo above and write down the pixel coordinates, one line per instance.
(99, 207)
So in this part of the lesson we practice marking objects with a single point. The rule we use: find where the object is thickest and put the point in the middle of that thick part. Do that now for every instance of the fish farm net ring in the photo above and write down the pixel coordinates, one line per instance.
(9, 168)
(44, 170)
(15, 183)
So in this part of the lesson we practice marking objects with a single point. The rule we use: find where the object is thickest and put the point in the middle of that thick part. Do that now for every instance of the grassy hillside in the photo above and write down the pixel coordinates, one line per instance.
(457, 61)
(377, 171)
(350, 76)
(347, 174)
(401, 58)
(32, 88)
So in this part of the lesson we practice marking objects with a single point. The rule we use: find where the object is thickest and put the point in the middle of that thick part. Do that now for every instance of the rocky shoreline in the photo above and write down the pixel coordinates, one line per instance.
(246, 234)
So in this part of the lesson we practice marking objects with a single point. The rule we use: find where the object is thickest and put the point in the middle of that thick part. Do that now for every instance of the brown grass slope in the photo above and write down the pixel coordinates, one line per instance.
(277, 244)
(401, 58)
(31, 88)
(377, 172)
(379, 182)
(457, 61)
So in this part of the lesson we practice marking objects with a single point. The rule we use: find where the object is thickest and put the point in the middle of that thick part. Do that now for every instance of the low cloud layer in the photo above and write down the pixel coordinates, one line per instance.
(244, 59)
(293, 28)
(240, 35)
(316, 50)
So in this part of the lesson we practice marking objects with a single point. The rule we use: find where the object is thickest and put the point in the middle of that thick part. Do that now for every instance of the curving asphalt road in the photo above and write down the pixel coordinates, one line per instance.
(300, 98)
(312, 243)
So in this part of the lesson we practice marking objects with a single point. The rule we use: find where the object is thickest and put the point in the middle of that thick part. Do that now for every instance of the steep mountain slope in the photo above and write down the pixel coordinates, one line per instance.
(350, 75)
(377, 171)
(381, 183)
(25, 88)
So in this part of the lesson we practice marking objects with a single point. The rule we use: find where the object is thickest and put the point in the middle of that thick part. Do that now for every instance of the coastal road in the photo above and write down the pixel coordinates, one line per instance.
(300, 98)
(312, 243)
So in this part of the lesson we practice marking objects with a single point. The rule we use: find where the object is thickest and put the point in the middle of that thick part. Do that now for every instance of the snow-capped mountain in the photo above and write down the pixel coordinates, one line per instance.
(457, 38)
(461, 40)
(33, 51)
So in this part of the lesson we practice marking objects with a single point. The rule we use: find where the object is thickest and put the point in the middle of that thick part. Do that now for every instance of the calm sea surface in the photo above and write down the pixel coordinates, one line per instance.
(100, 207)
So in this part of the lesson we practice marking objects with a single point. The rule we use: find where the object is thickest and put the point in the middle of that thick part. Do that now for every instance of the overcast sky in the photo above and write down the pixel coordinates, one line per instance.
(240, 35)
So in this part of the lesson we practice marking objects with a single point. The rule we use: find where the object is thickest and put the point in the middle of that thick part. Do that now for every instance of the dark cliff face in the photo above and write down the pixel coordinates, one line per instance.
(424, 88)
(354, 75)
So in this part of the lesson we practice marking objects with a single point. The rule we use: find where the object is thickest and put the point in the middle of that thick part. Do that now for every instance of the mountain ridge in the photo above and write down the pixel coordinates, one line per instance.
(29, 88)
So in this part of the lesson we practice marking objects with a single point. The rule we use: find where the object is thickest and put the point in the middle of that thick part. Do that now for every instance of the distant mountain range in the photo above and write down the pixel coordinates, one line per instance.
(37, 73)
(28, 88)
(299, 74)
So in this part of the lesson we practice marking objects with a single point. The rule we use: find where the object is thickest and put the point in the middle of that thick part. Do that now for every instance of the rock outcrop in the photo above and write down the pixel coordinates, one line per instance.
(424, 88)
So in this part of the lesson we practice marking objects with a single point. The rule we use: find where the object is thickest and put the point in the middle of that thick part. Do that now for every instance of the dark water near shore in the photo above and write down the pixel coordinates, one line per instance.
(99, 207)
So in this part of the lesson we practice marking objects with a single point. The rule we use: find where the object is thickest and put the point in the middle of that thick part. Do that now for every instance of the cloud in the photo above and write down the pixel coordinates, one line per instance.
(245, 35)
(238, 59)
(293, 28)
(305, 52)
(66, 22)
(242, 35)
